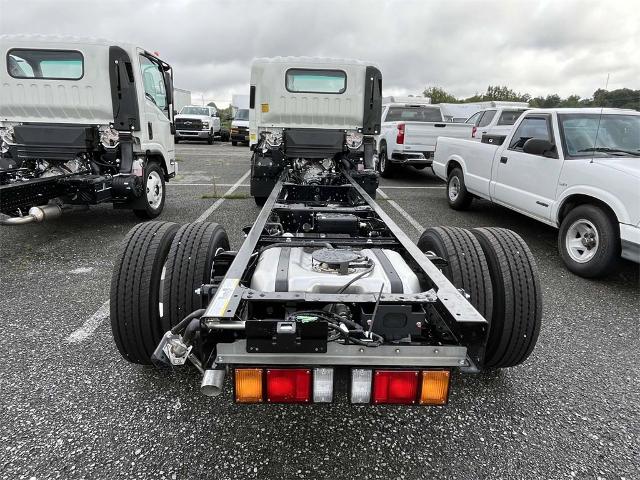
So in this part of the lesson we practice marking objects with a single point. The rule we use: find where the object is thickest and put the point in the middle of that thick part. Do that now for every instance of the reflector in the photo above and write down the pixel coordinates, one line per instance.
(395, 386)
(290, 385)
(248, 385)
(435, 387)
(360, 385)
(322, 385)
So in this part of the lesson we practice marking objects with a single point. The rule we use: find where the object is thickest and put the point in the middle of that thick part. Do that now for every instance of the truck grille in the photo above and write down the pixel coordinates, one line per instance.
(188, 124)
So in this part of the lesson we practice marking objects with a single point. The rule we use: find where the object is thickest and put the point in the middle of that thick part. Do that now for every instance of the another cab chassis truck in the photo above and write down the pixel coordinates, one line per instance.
(326, 295)
(82, 122)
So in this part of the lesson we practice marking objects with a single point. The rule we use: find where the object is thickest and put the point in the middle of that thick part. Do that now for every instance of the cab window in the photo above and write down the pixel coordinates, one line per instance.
(45, 64)
(486, 118)
(531, 127)
(302, 80)
(509, 117)
(153, 81)
(473, 118)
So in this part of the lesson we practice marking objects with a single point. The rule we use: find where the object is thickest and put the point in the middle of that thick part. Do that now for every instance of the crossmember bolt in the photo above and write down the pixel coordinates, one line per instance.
(397, 350)
(435, 350)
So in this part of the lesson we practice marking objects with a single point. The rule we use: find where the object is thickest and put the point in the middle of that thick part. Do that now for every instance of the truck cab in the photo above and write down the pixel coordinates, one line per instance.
(82, 122)
(197, 123)
(494, 124)
(240, 127)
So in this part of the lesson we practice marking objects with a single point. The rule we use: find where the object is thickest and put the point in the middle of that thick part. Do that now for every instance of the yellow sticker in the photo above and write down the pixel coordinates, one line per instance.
(265, 108)
(253, 137)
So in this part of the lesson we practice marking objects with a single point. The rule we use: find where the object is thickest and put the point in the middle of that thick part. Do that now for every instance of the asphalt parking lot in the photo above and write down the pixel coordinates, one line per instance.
(71, 407)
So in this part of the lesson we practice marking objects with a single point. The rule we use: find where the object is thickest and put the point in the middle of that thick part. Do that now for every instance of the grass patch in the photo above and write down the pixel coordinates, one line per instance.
(233, 196)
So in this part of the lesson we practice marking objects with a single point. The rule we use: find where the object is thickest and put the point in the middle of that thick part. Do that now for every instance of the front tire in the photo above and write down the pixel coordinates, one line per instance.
(517, 297)
(260, 201)
(457, 195)
(210, 139)
(189, 266)
(154, 192)
(589, 241)
(385, 167)
(135, 290)
(235, 144)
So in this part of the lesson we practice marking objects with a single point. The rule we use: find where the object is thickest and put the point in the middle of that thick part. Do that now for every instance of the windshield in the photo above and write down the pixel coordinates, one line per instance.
(194, 111)
(414, 114)
(617, 135)
(242, 114)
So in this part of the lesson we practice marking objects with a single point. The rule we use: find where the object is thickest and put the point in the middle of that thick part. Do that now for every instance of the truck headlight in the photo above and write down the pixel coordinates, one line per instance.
(109, 137)
(354, 140)
(205, 125)
(273, 139)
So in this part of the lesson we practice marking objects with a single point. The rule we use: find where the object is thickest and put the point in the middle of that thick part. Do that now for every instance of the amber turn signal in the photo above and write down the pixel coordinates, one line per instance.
(248, 385)
(435, 387)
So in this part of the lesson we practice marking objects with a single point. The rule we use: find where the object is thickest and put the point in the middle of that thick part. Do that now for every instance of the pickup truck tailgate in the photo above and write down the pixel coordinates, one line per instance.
(422, 136)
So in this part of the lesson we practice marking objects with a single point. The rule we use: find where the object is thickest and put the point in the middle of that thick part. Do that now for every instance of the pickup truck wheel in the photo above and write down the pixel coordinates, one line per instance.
(189, 265)
(176, 140)
(260, 201)
(210, 139)
(517, 297)
(589, 241)
(235, 144)
(467, 266)
(135, 290)
(385, 167)
(154, 190)
(457, 195)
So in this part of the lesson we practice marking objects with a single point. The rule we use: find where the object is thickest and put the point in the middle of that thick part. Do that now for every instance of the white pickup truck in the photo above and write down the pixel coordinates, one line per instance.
(409, 132)
(575, 169)
(197, 123)
(494, 124)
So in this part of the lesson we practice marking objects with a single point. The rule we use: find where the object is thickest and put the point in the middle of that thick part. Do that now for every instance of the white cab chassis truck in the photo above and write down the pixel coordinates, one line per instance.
(326, 298)
(410, 129)
(575, 169)
(82, 122)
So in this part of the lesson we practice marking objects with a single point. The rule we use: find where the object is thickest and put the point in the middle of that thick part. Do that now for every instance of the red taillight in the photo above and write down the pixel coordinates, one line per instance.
(395, 386)
(400, 137)
(289, 385)
(473, 132)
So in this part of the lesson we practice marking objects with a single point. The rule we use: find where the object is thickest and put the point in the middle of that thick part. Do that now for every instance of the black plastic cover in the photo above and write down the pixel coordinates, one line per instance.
(312, 142)
(123, 91)
(372, 115)
(308, 337)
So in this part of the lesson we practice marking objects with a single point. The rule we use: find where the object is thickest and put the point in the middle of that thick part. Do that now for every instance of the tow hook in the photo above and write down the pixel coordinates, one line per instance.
(171, 350)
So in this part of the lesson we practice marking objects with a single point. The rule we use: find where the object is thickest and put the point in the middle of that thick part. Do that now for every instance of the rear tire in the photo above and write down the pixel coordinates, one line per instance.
(135, 290)
(589, 241)
(457, 195)
(154, 192)
(189, 266)
(467, 266)
(385, 167)
(517, 297)
(260, 201)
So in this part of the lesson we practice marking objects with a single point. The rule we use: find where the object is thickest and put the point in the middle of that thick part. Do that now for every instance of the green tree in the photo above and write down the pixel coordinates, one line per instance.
(439, 95)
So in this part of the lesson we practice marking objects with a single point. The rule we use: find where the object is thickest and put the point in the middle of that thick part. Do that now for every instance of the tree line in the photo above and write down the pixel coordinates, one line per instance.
(620, 98)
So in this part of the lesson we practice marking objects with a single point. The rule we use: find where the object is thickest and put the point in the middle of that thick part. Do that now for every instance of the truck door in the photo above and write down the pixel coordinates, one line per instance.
(525, 181)
(156, 124)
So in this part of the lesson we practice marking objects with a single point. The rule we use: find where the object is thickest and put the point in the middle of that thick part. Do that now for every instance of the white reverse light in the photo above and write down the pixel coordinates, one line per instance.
(360, 385)
(322, 385)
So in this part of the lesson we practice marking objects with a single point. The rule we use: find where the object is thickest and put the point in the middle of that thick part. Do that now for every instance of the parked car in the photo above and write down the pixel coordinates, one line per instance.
(327, 299)
(197, 123)
(575, 169)
(493, 122)
(410, 128)
(82, 122)
(240, 127)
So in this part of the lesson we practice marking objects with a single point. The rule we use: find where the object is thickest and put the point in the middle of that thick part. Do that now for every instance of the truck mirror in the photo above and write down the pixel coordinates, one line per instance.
(168, 86)
(537, 146)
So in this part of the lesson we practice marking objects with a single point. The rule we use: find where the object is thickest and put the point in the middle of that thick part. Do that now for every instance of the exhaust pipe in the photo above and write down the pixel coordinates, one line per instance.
(36, 214)
(212, 382)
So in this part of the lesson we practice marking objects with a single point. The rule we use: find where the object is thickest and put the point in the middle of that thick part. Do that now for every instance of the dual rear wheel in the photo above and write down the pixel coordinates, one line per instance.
(158, 269)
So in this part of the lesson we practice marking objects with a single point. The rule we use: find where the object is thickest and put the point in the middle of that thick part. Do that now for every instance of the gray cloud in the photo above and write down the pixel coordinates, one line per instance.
(538, 47)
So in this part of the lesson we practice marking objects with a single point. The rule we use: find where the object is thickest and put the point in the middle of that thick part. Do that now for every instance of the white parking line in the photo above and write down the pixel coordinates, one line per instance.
(92, 323)
(402, 212)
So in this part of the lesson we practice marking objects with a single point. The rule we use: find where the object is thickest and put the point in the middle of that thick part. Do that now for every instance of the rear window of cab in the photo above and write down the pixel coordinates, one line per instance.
(45, 64)
(304, 80)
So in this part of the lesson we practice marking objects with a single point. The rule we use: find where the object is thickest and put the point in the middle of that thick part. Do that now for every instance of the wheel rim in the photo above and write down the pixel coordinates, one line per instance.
(383, 160)
(582, 241)
(154, 189)
(454, 188)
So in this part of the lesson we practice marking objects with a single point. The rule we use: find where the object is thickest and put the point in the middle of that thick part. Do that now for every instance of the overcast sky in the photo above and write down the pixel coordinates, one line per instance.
(538, 47)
